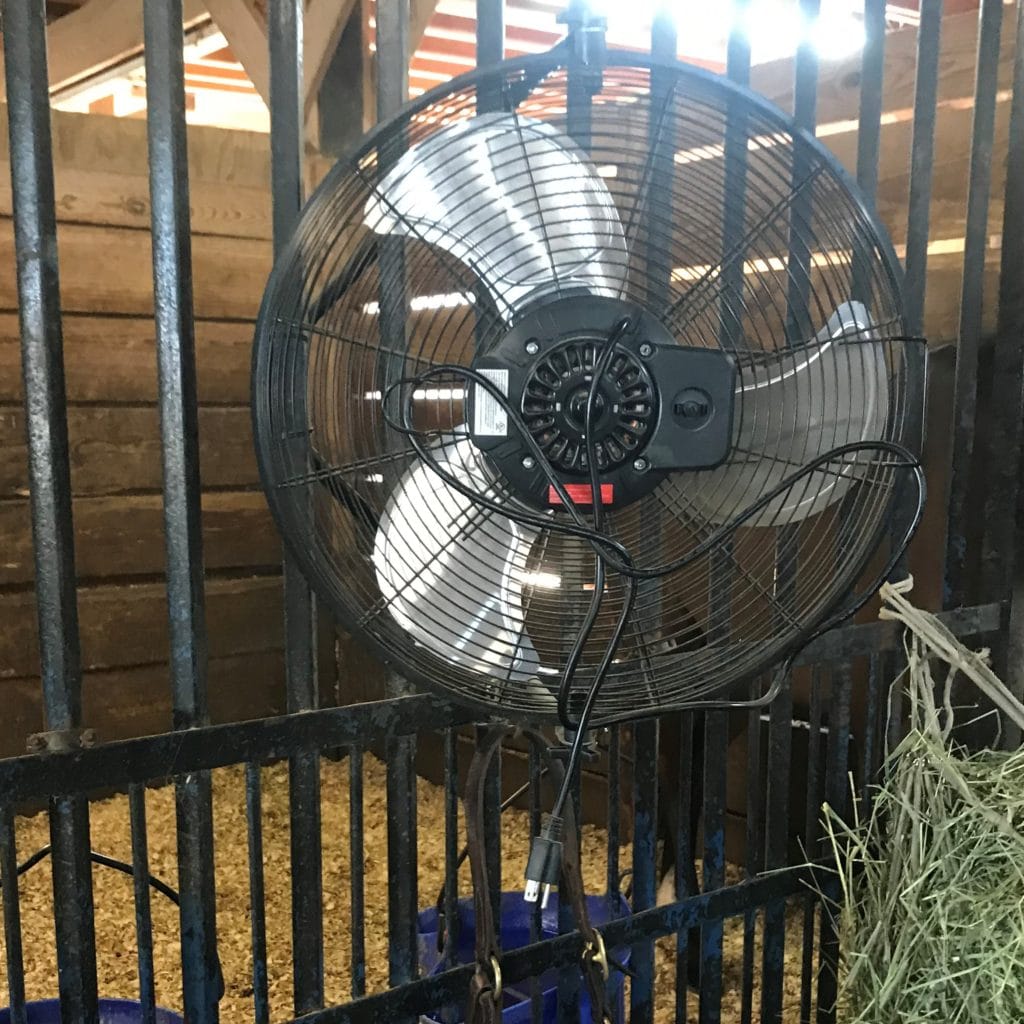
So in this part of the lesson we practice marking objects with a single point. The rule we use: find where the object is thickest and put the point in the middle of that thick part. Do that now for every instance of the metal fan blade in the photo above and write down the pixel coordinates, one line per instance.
(792, 408)
(515, 200)
(451, 571)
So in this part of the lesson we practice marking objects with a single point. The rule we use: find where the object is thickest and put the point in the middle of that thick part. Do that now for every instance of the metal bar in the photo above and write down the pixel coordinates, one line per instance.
(257, 892)
(614, 810)
(117, 764)
(179, 432)
(685, 867)
(287, 120)
(430, 992)
(872, 732)
(356, 856)
(922, 152)
(1001, 549)
(812, 814)
(837, 794)
(645, 880)
(35, 237)
(755, 850)
(143, 912)
(869, 128)
(490, 32)
(13, 950)
(965, 396)
(450, 906)
(536, 1000)
(402, 889)
(492, 827)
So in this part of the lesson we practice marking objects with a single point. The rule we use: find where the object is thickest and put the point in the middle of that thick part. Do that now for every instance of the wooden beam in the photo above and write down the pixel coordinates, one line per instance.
(245, 28)
(420, 13)
(98, 36)
(323, 25)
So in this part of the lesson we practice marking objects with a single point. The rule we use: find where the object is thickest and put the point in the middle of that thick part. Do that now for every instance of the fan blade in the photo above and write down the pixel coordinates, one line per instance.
(790, 409)
(452, 572)
(515, 200)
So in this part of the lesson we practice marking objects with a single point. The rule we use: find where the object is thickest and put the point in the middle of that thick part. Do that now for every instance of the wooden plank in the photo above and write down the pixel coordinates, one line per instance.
(98, 36)
(839, 81)
(113, 359)
(125, 703)
(123, 536)
(108, 270)
(127, 625)
(323, 24)
(116, 450)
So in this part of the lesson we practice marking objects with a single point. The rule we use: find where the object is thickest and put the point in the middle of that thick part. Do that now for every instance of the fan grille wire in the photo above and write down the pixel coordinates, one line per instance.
(328, 349)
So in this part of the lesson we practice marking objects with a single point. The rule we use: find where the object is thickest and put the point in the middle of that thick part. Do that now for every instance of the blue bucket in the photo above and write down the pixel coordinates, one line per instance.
(112, 1011)
(516, 915)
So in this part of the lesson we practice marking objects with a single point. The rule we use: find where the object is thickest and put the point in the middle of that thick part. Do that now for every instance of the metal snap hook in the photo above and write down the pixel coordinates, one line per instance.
(595, 952)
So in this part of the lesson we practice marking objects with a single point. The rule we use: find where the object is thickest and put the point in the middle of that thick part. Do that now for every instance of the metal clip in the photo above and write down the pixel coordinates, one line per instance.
(595, 952)
(496, 972)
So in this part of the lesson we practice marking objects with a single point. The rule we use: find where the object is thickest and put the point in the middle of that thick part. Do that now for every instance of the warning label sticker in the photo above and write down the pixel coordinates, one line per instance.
(489, 418)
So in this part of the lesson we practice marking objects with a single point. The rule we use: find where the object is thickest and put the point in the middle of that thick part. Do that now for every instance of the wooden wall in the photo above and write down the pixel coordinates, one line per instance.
(106, 291)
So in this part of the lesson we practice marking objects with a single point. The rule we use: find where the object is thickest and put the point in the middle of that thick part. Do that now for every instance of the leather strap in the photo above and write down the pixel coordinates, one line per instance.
(485, 989)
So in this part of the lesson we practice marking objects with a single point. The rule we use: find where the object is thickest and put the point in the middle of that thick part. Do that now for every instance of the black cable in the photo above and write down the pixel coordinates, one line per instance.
(544, 864)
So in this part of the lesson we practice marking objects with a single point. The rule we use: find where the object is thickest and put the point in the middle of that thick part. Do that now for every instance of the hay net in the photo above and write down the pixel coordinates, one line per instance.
(932, 916)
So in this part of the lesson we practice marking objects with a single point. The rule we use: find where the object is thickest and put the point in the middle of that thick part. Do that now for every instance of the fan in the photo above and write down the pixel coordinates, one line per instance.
(587, 414)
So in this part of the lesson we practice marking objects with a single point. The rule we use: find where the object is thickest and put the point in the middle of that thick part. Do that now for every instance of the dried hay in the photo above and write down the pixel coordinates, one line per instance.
(932, 926)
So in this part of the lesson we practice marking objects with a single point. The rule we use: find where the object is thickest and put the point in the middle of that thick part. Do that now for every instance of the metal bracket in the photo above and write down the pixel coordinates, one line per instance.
(60, 741)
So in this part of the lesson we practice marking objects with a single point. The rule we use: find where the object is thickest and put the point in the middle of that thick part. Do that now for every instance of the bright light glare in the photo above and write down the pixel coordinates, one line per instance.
(543, 580)
(775, 28)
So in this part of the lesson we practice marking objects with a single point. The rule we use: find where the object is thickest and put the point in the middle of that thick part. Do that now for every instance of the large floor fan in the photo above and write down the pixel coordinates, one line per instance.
(585, 409)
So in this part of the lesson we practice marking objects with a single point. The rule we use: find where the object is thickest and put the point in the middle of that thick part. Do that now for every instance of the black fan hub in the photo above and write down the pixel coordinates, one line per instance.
(659, 406)
(554, 404)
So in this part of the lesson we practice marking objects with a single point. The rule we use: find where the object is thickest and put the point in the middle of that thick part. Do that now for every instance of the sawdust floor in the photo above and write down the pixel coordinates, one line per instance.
(115, 917)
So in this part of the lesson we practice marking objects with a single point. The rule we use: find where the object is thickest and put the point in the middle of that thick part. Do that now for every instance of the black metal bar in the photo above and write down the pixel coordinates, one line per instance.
(427, 993)
(1001, 551)
(922, 162)
(645, 878)
(35, 236)
(614, 810)
(754, 852)
(357, 884)
(451, 856)
(287, 118)
(257, 892)
(872, 731)
(960, 506)
(536, 1001)
(179, 430)
(812, 819)
(685, 867)
(837, 793)
(14, 953)
(115, 765)
(143, 913)
(716, 743)
(492, 827)
(402, 888)
(490, 32)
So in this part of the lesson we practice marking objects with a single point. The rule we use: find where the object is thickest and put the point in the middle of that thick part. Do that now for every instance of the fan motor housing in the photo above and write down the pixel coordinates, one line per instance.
(659, 406)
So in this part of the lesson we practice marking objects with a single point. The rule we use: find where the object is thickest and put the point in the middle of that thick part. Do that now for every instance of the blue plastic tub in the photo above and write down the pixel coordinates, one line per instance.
(112, 1011)
(516, 914)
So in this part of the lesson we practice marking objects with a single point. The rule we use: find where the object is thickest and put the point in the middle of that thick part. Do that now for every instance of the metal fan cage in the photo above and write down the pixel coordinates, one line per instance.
(750, 243)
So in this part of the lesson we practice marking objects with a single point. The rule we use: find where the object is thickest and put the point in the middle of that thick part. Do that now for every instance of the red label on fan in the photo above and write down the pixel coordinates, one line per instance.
(581, 494)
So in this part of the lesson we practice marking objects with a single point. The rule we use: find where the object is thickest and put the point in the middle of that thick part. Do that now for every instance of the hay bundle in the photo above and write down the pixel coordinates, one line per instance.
(932, 925)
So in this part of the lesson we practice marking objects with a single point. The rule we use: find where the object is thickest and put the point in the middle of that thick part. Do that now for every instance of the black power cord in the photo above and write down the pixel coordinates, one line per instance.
(545, 855)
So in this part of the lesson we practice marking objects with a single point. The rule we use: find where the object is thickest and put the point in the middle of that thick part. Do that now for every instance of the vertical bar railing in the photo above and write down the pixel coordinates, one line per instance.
(392, 93)
(780, 731)
(812, 819)
(143, 914)
(13, 950)
(357, 882)
(35, 237)
(287, 119)
(257, 892)
(922, 162)
(1002, 546)
(965, 394)
(179, 433)
(490, 49)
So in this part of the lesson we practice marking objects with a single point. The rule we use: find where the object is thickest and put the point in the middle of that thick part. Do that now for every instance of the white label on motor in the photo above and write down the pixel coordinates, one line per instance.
(489, 418)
